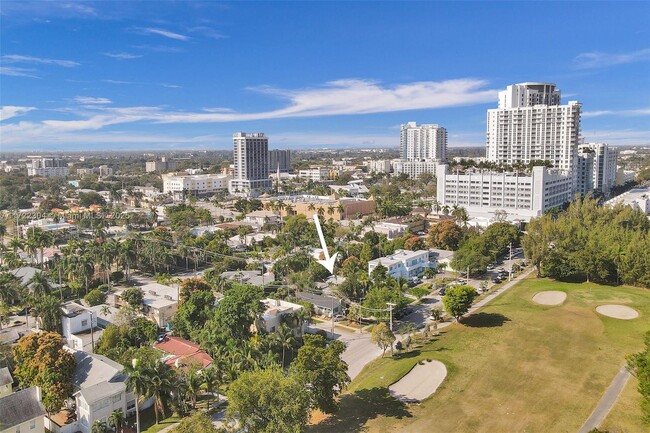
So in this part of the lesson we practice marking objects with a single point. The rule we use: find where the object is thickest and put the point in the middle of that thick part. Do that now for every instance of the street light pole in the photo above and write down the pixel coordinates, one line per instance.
(390, 309)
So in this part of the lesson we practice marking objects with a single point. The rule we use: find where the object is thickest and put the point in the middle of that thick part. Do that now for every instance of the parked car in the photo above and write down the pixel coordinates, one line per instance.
(442, 291)
(496, 280)
(490, 267)
(339, 317)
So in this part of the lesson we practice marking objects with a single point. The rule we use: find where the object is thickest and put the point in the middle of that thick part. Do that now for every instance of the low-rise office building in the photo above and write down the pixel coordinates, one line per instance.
(335, 208)
(315, 174)
(414, 168)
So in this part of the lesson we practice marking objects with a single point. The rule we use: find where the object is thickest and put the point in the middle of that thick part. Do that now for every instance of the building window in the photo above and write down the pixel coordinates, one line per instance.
(32, 424)
(84, 323)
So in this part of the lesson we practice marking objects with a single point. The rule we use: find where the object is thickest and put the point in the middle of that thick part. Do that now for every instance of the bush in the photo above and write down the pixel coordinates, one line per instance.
(419, 292)
(95, 297)
(117, 276)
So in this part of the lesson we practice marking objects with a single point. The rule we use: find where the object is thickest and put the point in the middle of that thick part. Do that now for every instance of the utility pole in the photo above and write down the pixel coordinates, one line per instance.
(510, 250)
(332, 315)
(390, 309)
(468, 275)
(92, 333)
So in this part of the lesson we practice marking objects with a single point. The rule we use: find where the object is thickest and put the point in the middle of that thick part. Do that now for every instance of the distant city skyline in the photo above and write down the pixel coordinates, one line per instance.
(187, 75)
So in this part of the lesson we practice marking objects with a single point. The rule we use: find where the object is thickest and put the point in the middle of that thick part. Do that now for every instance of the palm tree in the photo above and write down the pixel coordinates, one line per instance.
(136, 382)
(116, 420)
(284, 337)
(15, 244)
(48, 310)
(436, 315)
(39, 285)
(98, 427)
(194, 382)
(10, 288)
(160, 380)
(212, 379)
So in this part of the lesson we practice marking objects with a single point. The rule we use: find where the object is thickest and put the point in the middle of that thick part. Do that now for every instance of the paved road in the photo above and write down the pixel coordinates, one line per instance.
(606, 402)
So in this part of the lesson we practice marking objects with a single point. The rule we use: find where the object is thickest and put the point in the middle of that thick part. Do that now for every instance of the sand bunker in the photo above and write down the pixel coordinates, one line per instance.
(419, 383)
(618, 311)
(551, 297)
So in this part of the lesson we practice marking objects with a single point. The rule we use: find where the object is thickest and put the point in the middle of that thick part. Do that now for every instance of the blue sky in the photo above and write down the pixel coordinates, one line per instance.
(186, 75)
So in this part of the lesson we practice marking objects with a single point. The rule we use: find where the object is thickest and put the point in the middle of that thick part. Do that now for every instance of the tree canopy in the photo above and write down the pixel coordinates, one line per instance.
(458, 300)
(41, 361)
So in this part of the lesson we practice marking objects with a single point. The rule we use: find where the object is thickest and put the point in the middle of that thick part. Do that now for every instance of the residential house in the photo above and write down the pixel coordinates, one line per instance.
(261, 217)
(160, 302)
(99, 386)
(22, 412)
(180, 352)
(255, 278)
(440, 257)
(271, 319)
(403, 263)
(321, 305)
(6, 382)
(79, 327)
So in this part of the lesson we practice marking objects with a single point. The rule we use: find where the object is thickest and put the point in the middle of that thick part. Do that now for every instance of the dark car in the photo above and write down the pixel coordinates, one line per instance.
(496, 280)
(442, 292)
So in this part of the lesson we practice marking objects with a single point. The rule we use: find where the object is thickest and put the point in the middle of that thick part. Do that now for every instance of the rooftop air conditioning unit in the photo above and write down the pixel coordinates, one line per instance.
(152, 292)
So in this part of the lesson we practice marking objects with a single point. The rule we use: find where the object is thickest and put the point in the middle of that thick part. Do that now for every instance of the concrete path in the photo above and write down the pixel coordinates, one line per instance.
(606, 402)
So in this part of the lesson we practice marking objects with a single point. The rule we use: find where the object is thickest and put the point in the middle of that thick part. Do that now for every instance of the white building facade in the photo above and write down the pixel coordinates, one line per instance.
(524, 196)
(414, 168)
(423, 142)
(531, 125)
(315, 174)
(46, 166)
(194, 184)
(605, 158)
(379, 166)
(403, 263)
(251, 164)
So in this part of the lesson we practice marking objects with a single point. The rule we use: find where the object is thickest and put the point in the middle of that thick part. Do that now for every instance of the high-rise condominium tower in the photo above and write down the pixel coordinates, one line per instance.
(530, 124)
(251, 160)
(423, 142)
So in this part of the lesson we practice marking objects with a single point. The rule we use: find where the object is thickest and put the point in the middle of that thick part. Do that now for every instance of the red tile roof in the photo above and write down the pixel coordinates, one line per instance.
(184, 352)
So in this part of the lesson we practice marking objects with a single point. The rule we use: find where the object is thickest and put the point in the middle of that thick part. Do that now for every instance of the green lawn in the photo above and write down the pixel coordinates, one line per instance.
(626, 413)
(148, 421)
(514, 366)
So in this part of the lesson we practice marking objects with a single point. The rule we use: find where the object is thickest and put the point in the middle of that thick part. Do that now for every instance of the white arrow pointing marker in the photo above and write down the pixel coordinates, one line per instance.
(329, 261)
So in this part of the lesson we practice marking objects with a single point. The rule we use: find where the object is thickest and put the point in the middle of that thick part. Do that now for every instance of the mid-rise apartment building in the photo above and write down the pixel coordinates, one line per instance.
(161, 166)
(251, 164)
(46, 166)
(194, 184)
(315, 174)
(531, 125)
(379, 166)
(414, 168)
(522, 195)
(280, 159)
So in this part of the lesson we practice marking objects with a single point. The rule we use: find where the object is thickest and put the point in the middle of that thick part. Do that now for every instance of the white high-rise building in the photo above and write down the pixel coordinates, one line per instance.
(531, 125)
(251, 164)
(604, 158)
(423, 142)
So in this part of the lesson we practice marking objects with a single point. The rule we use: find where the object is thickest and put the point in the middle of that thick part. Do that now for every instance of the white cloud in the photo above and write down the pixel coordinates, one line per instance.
(163, 32)
(342, 97)
(618, 137)
(627, 113)
(17, 72)
(123, 56)
(91, 100)
(9, 111)
(207, 32)
(601, 60)
(17, 58)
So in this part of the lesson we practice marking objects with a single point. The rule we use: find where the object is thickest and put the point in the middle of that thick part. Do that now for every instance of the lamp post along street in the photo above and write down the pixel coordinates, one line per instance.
(390, 310)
